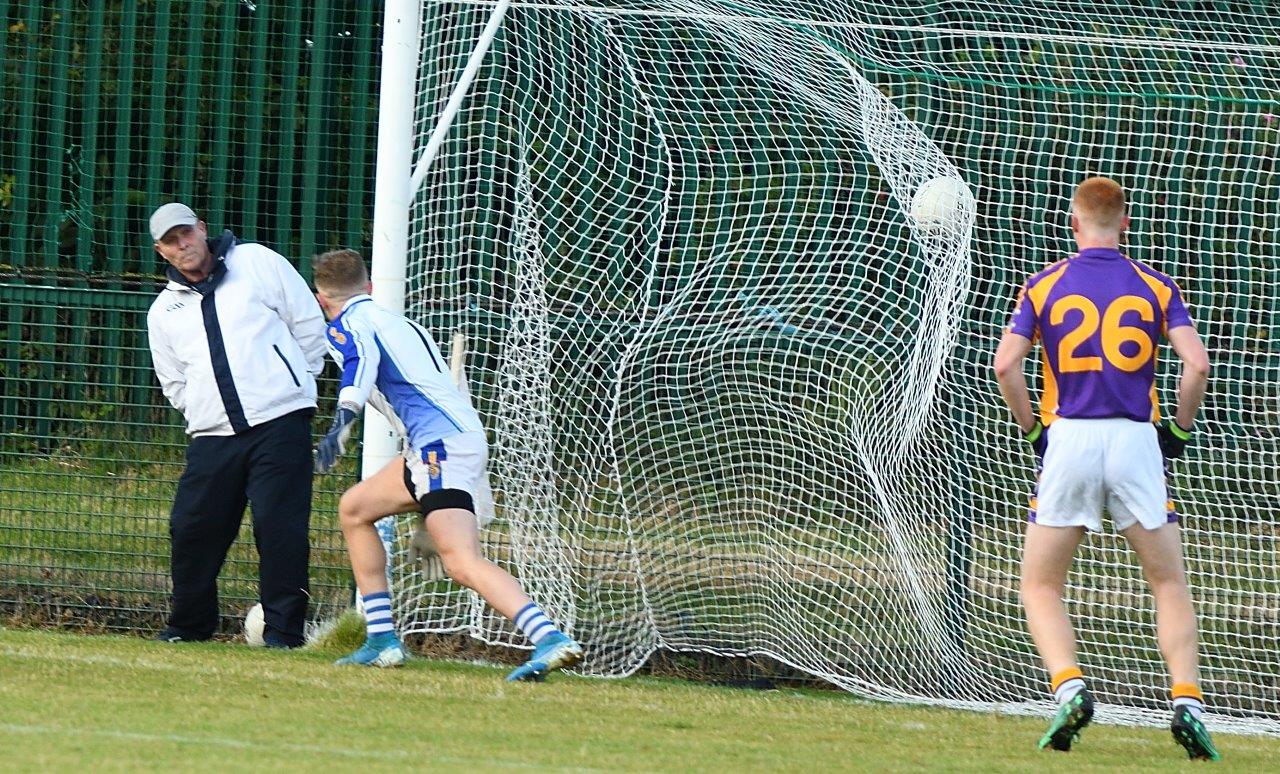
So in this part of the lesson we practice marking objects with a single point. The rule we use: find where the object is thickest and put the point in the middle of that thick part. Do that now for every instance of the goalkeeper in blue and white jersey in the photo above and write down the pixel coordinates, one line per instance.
(394, 365)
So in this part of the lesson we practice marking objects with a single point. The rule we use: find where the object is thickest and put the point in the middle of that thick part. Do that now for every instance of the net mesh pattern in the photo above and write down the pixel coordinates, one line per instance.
(739, 392)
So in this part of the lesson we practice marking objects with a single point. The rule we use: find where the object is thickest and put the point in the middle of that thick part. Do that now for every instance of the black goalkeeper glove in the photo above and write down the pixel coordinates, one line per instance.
(334, 442)
(1173, 439)
(1038, 437)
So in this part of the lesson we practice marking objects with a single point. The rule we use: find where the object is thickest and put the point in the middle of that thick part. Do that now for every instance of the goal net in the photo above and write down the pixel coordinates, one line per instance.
(739, 389)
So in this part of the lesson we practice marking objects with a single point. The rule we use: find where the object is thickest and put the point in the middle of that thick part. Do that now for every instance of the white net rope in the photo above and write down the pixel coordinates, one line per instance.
(739, 395)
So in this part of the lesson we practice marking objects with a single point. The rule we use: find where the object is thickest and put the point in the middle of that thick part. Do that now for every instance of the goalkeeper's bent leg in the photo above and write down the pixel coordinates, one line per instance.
(365, 550)
(360, 508)
(457, 539)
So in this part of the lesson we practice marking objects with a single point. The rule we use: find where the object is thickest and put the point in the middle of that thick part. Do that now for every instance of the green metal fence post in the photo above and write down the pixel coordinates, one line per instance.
(314, 197)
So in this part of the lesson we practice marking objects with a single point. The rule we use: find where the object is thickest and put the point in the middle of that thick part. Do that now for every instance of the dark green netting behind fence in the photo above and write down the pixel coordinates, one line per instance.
(262, 116)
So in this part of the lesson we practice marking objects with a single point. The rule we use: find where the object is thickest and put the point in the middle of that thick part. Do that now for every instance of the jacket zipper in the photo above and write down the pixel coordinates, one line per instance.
(288, 367)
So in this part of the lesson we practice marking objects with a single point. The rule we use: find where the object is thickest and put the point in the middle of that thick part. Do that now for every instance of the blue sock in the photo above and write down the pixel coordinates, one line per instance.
(377, 614)
(534, 623)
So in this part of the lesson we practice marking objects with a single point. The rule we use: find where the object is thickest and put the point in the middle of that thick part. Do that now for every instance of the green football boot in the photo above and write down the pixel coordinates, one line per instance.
(1074, 714)
(1193, 736)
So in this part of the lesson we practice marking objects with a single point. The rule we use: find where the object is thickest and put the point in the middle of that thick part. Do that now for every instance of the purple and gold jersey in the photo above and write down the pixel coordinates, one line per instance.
(1099, 317)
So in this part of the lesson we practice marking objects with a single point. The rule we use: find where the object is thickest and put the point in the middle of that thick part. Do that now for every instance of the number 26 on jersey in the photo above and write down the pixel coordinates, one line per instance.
(1114, 334)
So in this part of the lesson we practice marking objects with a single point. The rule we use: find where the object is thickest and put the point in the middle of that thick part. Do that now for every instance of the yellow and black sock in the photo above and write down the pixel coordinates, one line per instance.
(1188, 695)
(1066, 684)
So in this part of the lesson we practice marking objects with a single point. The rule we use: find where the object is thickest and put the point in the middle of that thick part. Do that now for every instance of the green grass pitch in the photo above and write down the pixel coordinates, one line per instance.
(124, 704)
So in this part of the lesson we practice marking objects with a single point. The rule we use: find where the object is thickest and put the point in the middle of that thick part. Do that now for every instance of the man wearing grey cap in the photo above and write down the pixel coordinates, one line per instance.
(236, 340)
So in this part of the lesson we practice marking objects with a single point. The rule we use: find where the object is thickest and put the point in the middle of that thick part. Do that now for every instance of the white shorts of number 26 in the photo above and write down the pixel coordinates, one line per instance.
(1092, 465)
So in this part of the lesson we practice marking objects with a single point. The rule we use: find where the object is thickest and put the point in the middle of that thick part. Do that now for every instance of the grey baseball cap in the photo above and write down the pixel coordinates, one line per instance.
(169, 215)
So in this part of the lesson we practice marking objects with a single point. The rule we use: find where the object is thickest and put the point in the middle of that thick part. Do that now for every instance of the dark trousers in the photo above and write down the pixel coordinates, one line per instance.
(268, 466)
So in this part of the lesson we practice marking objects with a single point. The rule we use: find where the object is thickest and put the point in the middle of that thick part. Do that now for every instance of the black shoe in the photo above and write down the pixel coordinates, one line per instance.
(278, 644)
(173, 635)
(1193, 736)
(1071, 719)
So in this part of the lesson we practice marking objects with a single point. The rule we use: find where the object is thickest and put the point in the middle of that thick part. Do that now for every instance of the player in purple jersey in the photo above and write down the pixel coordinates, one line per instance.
(1099, 317)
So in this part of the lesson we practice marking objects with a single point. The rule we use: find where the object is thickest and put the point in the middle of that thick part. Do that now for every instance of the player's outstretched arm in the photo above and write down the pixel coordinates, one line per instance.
(334, 442)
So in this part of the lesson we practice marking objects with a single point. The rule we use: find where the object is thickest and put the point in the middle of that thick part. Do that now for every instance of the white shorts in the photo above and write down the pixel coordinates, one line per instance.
(1091, 464)
(446, 473)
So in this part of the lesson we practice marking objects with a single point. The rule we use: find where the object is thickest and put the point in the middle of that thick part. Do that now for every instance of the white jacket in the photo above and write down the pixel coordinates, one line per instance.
(244, 352)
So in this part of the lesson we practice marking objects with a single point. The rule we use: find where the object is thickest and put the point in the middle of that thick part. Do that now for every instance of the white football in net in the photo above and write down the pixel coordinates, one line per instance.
(254, 625)
(939, 203)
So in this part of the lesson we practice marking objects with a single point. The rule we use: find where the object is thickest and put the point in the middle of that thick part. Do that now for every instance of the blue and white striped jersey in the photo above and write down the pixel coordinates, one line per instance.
(393, 363)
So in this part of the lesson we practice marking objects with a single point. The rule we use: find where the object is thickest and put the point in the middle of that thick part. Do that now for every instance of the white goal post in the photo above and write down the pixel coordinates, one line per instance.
(730, 273)
(392, 197)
